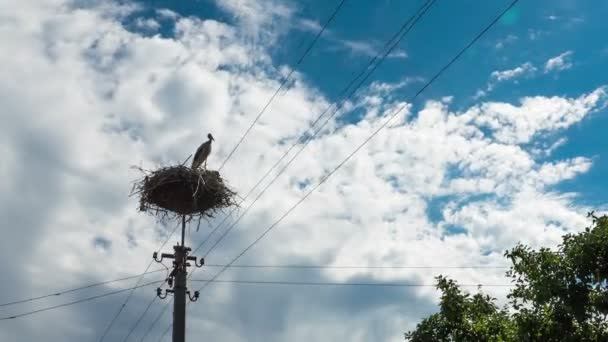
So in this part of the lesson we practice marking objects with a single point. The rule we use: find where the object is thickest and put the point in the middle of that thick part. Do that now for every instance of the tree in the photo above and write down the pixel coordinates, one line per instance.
(557, 296)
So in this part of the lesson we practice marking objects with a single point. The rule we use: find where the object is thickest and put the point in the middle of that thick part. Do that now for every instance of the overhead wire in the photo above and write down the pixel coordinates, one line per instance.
(155, 321)
(87, 299)
(164, 333)
(341, 94)
(126, 301)
(283, 83)
(220, 281)
(285, 80)
(140, 318)
(406, 27)
(333, 284)
(56, 294)
(312, 283)
(384, 124)
(391, 44)
(370, 67)
(357, 267)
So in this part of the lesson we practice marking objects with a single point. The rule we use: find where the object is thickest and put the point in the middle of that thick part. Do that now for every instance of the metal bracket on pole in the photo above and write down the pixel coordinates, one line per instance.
(199, 265)
(177, 281)
(196, 295)
(162, 256)
(159, 293)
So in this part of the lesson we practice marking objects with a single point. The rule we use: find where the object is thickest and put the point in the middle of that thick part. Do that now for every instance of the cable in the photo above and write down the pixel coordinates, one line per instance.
(420, 13)
(139, 319)
(441, 71)
(310, 46)
(386, 122)
(165, 333)
(309, 283)
(77, 289)
(158, 317)
(355, 267)
(77, 301)
(109, 327)
(395, 40)
(398, 36)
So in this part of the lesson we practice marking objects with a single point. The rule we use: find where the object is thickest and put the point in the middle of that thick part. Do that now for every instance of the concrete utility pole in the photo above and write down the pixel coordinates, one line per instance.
(177, 277)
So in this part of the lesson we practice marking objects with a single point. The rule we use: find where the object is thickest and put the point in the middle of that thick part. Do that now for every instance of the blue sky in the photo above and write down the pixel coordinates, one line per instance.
(532, 32)
(507, 146)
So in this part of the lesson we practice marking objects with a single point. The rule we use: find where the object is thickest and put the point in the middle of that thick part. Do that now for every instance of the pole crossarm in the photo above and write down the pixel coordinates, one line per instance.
(177, 282)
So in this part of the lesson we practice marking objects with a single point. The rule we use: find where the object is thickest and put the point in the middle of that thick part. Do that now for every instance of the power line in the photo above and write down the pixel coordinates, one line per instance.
(355, 267)
(310, 46)
(386, 122)
(391, 117)
(139, 319)
(77, 289)
(78, 301)
(405, 28)
(369, 68)
(252, 266)
(395, 40)
(109, 327)
(164, 334)
(158, 317)
(310, 283)
(335, 284)
(260, 282)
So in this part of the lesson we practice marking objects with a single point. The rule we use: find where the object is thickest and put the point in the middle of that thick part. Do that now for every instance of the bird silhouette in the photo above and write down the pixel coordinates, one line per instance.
(203, 151)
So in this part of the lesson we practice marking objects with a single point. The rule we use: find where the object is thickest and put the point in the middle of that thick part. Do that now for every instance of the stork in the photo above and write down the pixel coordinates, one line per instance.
(203, 151)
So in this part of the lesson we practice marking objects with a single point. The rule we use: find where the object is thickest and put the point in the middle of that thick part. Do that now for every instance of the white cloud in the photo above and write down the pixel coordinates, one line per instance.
(260, 19)
(369, 49)
(366, 48)
(166, 13)
(536, 34)
(308, 25)
(504, 75)
(509, 39)
(559, 63)
(526, 69)
(518, 125)
(147, 24)
(93, 99)
(545, 149)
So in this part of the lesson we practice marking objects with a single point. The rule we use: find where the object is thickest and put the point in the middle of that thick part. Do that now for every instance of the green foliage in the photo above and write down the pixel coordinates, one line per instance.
(557, 296)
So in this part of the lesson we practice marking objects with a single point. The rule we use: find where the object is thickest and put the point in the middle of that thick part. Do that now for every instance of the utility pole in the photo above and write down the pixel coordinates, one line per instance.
(178, 285)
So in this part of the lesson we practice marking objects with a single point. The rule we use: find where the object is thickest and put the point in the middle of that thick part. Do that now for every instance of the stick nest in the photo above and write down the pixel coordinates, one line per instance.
(179, 190)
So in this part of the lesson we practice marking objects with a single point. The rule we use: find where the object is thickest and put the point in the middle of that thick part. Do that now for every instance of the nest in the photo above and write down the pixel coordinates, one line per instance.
(178, 191)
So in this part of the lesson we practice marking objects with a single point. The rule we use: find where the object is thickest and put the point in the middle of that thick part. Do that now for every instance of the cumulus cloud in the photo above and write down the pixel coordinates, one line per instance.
(559, 63)
(521, 70)
(147, 24)
(93, 98)
(166, 13)
(519, 124)
(526, 69)
(260, 19)
(366, 48)
(369, 49)
(509, 39)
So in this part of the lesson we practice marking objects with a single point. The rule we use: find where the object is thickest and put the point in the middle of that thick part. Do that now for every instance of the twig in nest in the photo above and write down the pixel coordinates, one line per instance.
(185, 161)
